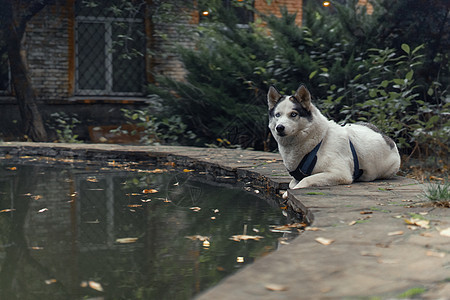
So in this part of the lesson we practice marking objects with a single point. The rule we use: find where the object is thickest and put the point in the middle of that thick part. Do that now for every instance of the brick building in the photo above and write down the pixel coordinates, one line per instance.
(79, 55)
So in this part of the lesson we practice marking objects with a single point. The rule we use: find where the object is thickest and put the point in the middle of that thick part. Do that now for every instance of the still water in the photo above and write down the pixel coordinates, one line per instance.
(80, 232)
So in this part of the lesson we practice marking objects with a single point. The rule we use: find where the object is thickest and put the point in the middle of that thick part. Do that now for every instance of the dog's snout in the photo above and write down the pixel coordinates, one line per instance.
(280, 128)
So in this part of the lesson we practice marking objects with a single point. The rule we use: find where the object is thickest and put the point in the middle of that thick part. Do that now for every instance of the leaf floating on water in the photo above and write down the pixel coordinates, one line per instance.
(245, 237)
(146, 200)
(276, 287)
(197, 237)
(134, 205)
(324, 241)
(149, 191)
(187, 170)
(92, 179)
(43, 210)
(93, 285)
(50, 281)
(195, 208)
(126, 240)
(206, 244)
(7, 210)
(12, 168)
(36, 197)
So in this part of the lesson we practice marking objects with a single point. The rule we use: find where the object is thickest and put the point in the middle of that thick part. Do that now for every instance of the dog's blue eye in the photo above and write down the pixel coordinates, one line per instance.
(294, 114)
(277, 115)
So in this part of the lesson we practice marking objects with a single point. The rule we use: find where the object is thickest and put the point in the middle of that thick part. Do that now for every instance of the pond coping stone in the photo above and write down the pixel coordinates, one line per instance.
(365, 240)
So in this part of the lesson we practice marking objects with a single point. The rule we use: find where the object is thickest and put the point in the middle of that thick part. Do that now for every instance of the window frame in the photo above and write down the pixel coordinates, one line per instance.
(109, 61)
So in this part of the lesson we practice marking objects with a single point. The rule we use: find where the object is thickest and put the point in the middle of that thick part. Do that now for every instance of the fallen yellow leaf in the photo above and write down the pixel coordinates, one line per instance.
(187, 170)
(400, 232)
(324, 241)
(149, 191)
(197, 237)
(276, 287)
(418, 222)
(445, 232)
(126, 240)
(245, 237)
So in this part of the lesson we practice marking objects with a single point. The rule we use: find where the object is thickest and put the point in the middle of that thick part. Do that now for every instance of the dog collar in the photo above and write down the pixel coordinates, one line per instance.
(307, 164)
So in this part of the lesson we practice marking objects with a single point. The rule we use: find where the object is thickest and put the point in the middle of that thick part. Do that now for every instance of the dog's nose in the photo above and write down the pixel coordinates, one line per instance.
(279, 128)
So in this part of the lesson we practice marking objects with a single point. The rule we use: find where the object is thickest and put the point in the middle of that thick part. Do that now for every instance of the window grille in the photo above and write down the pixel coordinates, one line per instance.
(5, 74)
(110, 48)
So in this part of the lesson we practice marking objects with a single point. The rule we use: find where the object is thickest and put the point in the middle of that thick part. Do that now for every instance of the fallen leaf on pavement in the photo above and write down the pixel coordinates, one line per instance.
(245, 237)
(418, 222)
(399, 232)
(445, 232)
(435, 254)
(324, 241)
(276, 287)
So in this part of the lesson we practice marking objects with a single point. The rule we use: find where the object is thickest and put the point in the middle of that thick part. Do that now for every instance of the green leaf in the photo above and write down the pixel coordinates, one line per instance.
(312, 74)
(406, 48)
(409, 75)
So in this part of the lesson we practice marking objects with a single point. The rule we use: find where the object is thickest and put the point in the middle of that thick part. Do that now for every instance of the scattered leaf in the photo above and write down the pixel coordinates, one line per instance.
(352, 223)
(157, 171)
(7, 210)
(197, 237)
(276, 287)
(216, 211)
(50, 281)
(240, 259)
(324, 241)
(245, 237)
(146, 200)
(445, 232)
(435, 254)
(187, 170)
(366, 212)
(213, 218)
(313, 229)
(12, 168)
(93, 285)
(92, 179)
(43, 210)
(399, 232)
(149, 191)
(126, 240)
(135, 205)
(206, 244)
(418, 222)
(195, 208)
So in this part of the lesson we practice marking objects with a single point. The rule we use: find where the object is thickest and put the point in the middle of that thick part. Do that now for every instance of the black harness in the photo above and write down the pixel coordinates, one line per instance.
(308, 163)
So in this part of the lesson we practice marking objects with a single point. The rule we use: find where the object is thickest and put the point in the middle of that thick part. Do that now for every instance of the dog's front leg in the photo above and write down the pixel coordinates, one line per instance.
(324, 179)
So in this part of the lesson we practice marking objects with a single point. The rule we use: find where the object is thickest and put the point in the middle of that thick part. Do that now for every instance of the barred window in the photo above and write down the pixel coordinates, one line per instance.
(110, 48)
(5, 74)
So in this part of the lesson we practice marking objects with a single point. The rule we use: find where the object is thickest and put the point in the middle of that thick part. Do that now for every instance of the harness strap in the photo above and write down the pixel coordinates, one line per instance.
(357, 172)
(307, 164)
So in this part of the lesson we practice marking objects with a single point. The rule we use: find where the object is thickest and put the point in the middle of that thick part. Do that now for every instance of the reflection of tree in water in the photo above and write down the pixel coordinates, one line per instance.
(19, 267)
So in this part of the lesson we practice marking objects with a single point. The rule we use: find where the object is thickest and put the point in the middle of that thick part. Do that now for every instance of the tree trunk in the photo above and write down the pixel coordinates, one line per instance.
(33, 126)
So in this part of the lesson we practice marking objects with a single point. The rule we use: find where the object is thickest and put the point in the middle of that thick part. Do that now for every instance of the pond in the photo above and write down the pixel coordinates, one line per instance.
(81, 231)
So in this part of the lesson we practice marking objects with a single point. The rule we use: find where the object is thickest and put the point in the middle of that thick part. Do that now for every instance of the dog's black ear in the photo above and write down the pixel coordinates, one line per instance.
(273, 96)
(304, 97)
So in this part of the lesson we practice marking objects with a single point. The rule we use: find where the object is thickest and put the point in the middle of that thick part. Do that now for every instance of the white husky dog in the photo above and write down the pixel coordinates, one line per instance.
(319, 152)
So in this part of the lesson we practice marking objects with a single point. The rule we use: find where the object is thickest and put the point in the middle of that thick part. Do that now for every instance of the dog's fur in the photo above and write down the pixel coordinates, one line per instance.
(298, 126)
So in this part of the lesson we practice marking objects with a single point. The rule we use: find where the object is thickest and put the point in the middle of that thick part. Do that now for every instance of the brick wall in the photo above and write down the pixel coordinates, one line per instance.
(46, 46)
(293, 6)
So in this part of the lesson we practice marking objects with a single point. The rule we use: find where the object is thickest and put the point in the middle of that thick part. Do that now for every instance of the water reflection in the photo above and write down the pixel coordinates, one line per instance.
(82, 232)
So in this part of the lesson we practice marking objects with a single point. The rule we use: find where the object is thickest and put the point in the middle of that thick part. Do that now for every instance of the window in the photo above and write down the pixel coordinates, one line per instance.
(5, 74)
(110, 49)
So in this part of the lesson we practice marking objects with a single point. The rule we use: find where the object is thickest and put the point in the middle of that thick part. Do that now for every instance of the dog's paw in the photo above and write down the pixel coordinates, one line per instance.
(285, 195)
